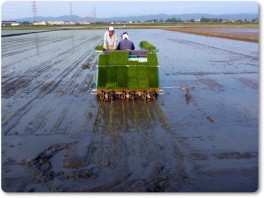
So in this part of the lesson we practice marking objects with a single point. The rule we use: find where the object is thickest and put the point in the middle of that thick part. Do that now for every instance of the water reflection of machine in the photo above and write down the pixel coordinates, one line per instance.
(123, 116)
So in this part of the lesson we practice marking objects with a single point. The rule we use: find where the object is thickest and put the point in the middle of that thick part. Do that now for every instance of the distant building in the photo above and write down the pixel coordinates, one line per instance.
(55, 22)
(15, 24)
(84, 22)
(69, 23)
(40, 23)
(255, 20)
(10, 23)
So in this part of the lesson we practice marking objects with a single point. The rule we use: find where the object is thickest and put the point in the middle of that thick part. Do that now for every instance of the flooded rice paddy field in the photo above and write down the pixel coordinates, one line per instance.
(56, 136)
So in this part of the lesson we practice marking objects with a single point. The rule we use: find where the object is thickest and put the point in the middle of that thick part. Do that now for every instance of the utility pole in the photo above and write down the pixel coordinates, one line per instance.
(34, 11)
(92, 15)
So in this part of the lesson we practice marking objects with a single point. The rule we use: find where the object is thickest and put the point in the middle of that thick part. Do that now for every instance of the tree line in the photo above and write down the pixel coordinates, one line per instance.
(202, 20)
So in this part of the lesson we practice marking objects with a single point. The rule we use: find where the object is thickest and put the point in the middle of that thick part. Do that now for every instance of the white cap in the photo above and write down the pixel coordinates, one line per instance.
(125, 36)
(111, 28)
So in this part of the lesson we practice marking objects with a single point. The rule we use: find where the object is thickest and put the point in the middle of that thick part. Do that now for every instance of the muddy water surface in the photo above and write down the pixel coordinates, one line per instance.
(56, 136)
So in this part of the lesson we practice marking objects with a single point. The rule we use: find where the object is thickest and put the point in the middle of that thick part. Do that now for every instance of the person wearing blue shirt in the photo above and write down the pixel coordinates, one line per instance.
(125, 44)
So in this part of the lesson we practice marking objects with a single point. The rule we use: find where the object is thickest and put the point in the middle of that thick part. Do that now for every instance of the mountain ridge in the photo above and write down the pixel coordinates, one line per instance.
(142, 17)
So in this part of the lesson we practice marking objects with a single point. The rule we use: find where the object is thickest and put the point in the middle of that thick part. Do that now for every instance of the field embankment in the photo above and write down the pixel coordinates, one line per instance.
(242, 34)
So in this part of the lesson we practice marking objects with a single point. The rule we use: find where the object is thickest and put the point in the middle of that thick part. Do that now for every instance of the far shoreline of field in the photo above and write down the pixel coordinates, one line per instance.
(205, 29)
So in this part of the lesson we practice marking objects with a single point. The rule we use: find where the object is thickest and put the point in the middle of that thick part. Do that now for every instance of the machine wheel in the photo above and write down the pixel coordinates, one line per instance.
(155, 94)
(144, 96)
(106, 96)
(101, 96)
(149, 95)
(123, 96)
(131, 96)
(111, 96)
(127, 95)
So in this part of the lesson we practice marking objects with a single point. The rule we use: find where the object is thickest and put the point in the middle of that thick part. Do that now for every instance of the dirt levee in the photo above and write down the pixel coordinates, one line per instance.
(242, 34)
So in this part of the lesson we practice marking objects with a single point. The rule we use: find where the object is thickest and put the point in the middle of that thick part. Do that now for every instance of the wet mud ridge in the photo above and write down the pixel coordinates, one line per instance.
(57, 137)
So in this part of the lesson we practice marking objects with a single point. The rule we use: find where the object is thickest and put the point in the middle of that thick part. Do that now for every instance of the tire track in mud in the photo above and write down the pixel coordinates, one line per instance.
(40, 94)
(42, 166)
(28, 46)
(158, 159)
(76, 93)
(29, 58)
(252, 84)
(31, 75)
(46, 89)
(47, 53)
(71, 104)
(59, 54)
(153, 174)
(41, 115)
(192, 43)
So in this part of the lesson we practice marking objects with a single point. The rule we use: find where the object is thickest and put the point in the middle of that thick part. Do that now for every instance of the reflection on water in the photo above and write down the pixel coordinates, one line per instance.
(72, 40)
(125, 116)
(36, 41)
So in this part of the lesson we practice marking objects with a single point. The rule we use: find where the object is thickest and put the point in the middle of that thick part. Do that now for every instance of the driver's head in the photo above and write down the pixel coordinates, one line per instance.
(111, 30)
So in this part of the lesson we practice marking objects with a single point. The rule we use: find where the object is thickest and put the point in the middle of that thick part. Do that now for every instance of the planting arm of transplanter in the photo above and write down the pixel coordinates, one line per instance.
(186, 89)
(99, 48)
(147, 46)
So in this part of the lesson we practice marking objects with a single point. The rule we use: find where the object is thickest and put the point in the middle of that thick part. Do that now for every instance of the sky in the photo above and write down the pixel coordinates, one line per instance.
(20, 9)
